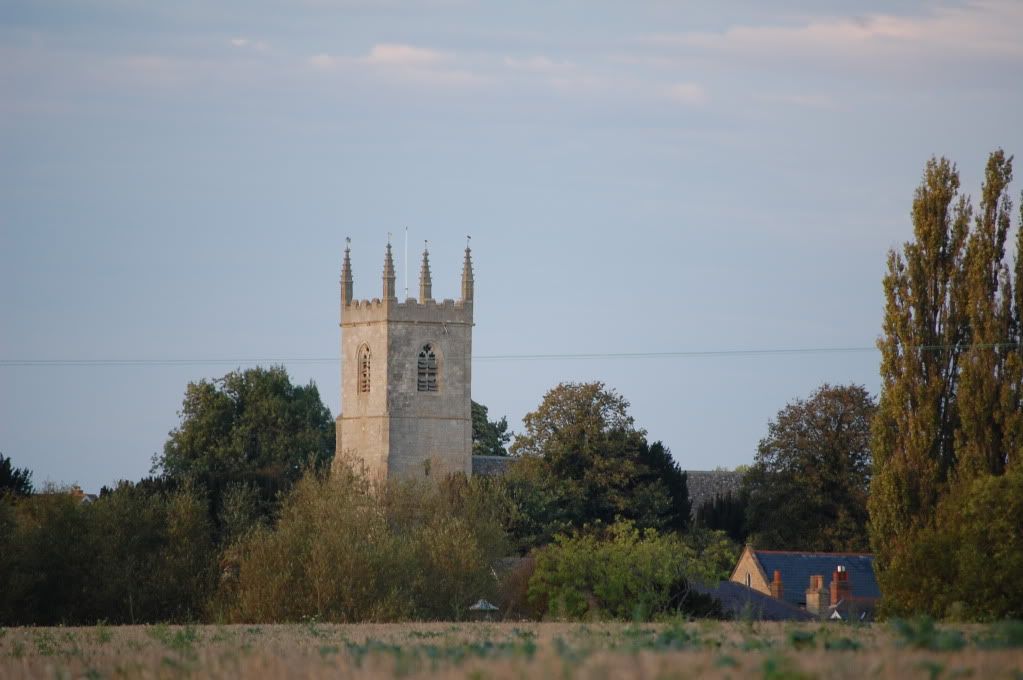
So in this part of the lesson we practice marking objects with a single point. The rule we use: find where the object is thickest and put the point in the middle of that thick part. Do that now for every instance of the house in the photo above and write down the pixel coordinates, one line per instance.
(82, 497)
(833, 585)
(740, 602)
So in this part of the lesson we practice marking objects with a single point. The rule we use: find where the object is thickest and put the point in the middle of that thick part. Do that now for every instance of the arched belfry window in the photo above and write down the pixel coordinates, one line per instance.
(426, 380)
(364, 382)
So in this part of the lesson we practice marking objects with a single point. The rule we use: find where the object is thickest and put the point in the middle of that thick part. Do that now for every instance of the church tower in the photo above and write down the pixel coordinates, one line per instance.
(405, 377)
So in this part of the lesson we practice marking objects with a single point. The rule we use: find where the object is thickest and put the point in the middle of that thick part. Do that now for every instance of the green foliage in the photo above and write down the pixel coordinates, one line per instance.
(1001, 635)
(922, 633)
(581, 460)
(923, 332)
(132, 555)
(807, 488)
(45, 561)
(966, 563)
(990, 388)
(621, 572)
(725, 513)
(17, 481)
(344, 551)
(251, 427)
(489, 437)
(950, 423)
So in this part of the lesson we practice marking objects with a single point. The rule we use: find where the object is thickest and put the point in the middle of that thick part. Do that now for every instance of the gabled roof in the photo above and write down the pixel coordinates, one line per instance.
(738, 601)
(797, 567)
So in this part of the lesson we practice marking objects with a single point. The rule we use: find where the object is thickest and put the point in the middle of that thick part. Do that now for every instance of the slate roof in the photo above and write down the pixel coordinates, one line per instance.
(490, 466)
(706, 485)
(738, 601)
(797, 567)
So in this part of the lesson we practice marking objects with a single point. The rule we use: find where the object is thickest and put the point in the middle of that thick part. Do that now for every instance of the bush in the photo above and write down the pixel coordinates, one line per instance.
(133, 555)
(620, 572)
(965, 563)
(345, 551)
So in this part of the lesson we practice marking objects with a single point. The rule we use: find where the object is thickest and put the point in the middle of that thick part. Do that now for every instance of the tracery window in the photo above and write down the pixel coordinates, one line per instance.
(427, 370)
(364, 374)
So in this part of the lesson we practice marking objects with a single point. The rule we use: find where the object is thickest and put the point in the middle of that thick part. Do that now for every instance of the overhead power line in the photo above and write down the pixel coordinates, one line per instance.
(683, 354)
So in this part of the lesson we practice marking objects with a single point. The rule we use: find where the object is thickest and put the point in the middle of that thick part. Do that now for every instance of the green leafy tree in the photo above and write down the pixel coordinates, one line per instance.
(988, 394)
(807, 488)
(582, 460)
(135, 555)
(489, 437)
(47, 561)
(622, 572)
(725, 512)
(344, 550)
(921, 346)
(153, 556)
(949, 431)
(17, 481)
(251, 427)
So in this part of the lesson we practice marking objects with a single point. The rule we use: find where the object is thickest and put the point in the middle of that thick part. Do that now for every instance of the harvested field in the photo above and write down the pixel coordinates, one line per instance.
(515, 650)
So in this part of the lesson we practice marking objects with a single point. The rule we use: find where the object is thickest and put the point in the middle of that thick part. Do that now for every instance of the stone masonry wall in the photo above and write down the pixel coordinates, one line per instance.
(395, 430)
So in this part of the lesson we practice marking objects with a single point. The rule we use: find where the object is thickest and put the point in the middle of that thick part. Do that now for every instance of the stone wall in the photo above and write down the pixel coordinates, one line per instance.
(394, 429)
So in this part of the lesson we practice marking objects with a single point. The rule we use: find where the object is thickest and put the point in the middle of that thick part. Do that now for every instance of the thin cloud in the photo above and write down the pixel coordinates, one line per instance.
(403, 63)
(242, 43)
(807, 101)
(403, 56)
(691, 94)
(988, 28)
(540, 64)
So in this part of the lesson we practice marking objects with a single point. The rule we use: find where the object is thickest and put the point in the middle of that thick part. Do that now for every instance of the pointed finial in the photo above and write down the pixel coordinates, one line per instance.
(346, 274)
(388, 271)
(425, 280)
(467, 279)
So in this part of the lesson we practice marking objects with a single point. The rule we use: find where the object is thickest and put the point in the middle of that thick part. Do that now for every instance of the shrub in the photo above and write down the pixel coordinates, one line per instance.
(619, 572)
(346, 551)
(965, 563)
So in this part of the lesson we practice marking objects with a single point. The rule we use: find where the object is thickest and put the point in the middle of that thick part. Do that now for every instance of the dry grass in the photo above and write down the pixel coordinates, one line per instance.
(504, 650)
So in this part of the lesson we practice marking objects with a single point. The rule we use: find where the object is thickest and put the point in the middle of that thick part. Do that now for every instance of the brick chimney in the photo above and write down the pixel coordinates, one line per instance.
(817, 600)
(777, 590)
(841, 588)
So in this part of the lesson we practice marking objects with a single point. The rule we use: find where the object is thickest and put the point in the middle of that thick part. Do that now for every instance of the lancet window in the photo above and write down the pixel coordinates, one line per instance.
(427, 370)
(364, 368)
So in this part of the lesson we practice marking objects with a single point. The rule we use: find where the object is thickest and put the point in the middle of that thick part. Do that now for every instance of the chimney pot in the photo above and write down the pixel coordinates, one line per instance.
(777, 589)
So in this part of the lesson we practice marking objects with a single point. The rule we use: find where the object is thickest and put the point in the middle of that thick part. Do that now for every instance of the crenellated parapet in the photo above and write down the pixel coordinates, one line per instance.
(406, 377)
(412, 310)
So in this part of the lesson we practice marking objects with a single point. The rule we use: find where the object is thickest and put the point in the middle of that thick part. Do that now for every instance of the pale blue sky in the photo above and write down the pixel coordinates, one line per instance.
(177, 180)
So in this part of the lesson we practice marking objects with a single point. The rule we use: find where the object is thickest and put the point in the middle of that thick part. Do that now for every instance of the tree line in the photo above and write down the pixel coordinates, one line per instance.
(240, 520)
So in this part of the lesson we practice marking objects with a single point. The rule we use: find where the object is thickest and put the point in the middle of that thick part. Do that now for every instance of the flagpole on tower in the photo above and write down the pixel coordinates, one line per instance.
(406, 263)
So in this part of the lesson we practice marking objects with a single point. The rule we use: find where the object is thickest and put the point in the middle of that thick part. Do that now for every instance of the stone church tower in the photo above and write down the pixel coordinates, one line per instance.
(405, 378)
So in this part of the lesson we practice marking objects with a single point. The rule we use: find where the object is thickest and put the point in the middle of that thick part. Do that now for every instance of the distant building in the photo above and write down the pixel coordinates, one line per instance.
(83, 498)
(834, 585)
(406, 373)
(703, 485)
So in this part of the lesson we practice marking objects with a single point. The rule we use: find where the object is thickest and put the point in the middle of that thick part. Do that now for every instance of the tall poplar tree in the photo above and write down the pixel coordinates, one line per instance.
(948, 435)
(924, 327)
(988, 393)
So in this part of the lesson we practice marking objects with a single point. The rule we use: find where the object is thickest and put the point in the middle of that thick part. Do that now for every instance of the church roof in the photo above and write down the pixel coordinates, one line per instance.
(490, 466)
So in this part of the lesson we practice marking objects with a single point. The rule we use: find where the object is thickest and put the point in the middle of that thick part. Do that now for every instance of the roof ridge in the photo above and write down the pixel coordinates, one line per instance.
(812, 552)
